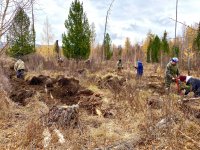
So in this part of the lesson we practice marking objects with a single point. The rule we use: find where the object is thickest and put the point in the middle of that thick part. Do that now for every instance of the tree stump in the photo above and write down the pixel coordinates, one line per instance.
(63, 116)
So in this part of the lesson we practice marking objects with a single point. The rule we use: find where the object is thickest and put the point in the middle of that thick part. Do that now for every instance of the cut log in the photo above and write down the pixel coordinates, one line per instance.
(63, 116)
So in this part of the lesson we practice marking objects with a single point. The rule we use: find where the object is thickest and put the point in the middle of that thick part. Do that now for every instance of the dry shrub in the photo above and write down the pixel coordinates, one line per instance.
(5, 65)
(36, 62)
(135, 97)
(4, 81)
(33, 135)
(5, 105)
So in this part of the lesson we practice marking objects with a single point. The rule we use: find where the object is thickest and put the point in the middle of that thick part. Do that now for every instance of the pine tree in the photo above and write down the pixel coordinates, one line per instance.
(119, 51)
(107, 48)
(156, 44)
(77, 41)
(149, 51)
(197, 40)
(20, 36)
(164, 48)
(175, 50)
(148, 46)
(164, 44)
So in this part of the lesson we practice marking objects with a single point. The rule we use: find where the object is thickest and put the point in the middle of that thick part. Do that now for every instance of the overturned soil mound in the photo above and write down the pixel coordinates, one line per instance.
(20, 91)
(66, 87)
(20, 96)
(61, 89)
(38, 80)
(111, 82)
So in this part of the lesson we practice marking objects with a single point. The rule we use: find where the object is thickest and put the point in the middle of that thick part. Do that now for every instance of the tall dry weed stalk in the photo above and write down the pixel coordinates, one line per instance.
(33, 135)
(4, 81)
(36, 62)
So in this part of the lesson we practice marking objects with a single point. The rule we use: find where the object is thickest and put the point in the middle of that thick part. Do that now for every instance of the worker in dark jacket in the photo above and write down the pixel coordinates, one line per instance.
(191, 85)
(119, 65)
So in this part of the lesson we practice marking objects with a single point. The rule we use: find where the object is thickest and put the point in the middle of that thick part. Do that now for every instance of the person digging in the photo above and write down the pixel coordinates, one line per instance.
(171, 73)
(190, 84)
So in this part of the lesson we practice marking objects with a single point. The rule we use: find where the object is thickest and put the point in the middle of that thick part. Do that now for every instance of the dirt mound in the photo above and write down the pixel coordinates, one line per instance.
(111, 82)
(20, 91)
(20, 96)
(38, 80)
(66, 90)
(90, 103)
(69, 86)
(60, 90)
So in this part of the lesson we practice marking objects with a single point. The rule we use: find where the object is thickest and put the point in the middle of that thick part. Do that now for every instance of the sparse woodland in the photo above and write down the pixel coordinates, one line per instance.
(84, 102)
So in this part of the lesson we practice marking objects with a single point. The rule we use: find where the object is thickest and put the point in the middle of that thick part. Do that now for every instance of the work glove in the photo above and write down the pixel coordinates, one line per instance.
(173, 79)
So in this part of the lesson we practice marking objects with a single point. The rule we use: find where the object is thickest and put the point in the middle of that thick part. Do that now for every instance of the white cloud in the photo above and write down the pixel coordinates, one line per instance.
(128, 18)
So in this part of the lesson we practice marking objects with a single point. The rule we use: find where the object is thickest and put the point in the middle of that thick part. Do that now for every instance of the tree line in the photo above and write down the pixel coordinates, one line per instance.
(78, 40)
(186, 47)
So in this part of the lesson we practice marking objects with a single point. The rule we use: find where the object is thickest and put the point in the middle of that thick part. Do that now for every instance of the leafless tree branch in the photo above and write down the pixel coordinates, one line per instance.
(8, 9)
(108, 11)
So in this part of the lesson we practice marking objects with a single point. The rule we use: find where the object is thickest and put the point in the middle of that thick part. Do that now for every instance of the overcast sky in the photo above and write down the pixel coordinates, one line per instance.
(128, 18)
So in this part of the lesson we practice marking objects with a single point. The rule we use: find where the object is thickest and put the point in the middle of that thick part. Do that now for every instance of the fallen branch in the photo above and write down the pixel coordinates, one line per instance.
(126, 144)
(189, 138)
(190, 99)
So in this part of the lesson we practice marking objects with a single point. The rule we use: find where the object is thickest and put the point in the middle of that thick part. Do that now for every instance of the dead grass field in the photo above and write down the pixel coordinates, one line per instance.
(115, 111)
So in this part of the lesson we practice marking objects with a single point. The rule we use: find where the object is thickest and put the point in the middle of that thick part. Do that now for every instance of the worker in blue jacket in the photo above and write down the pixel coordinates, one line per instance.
(139, 70)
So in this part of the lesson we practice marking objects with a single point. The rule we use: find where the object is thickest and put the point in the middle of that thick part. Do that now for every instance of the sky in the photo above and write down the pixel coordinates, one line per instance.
(127, 18)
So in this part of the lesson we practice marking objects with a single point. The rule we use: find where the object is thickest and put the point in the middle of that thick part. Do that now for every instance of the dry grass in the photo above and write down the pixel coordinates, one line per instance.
(131, 115)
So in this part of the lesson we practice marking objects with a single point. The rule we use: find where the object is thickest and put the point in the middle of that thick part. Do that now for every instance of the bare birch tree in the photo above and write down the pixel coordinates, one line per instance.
(105, 29)
(47, 35)
(33, 24)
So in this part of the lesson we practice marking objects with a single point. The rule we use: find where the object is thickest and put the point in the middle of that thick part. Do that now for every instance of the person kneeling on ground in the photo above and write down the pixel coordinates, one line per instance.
(191, 85)
(19, 67)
